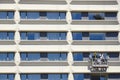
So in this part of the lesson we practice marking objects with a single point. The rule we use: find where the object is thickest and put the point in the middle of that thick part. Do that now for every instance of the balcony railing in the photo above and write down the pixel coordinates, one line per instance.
(94, 2)
(43, 2)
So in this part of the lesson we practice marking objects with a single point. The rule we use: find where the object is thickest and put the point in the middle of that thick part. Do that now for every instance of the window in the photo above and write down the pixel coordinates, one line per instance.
(7, 76)
(78, 57)
(111, 34)
(24, 56)
(43, 55)
(33, 77)
(53, 36)
(110, 14)
(84, 14)
(114, 76)
(85, 34)
(76, 16)
(53, 15)
(4, 56)
(77, 36)
(6, 35)
(43, 15)
(32, 15)
(33, 56)
(7, 15)
(23, 35)
(44, 76)
(43, 34)
(96, 16)
(63, 56)
(54, 56)
(78, 76)
(23, 15)
(97, 36)
(62, 15)
(30, 35)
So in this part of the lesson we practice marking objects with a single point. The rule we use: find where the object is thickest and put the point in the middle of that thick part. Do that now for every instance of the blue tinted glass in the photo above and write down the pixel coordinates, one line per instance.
(11, 35)
(76, 16)
(3, 15)
(53, 15)
(96, 16)
(64, 77)
(91, 16)
(23, 77)
(11, 77)
(33, 56)
(62, 15)
(77, 36)
(102, 78)
(33, 15)
(78, 76)
(23, 56)
(85, 34)
(97, 36)
(33, 77)
(53, 56)
(114, 76)
(84, 14)
(113, 55)
(110, 14)
(54, 77)
(63, 56)
(23, 15)
(62, 36)
(53, 36)
(3, 56)
(30, 35)
(11, 56)
(78, 56)
(3, 35)
(111, 34)
(87, 76)
(3, 76)
(23, 35)
(37, 36)
(10, 15)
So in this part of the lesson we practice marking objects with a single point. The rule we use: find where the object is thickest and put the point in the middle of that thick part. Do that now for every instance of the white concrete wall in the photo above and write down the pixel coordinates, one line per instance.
(56, 48)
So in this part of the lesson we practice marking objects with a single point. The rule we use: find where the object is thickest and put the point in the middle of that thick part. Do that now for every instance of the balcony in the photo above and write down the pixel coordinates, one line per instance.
(7, 21)
(7, 42)
(6, 1)
(80, 63)
(94, 2)
(43, 2)
(7, 63)
(95, 22)
(95, 42)
(43, 42)
(44, 63)
(42, 21)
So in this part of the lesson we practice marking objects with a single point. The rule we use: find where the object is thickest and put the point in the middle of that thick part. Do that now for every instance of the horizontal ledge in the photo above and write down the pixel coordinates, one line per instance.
(80, 63)
(43, 2)
(101, 42)
(7, 1)
(7, 42)
(7, 63)
(43, 63)
(43, 22)
(86, 63)
(95, 22)
(7, 21)
(96, 2)
(44, 42)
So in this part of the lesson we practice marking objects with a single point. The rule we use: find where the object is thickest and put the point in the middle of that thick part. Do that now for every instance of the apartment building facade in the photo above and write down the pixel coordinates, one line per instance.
(60, 40)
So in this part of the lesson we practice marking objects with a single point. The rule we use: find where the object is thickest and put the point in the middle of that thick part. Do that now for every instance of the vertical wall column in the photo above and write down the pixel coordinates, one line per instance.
(17, 40)
(69, 39)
